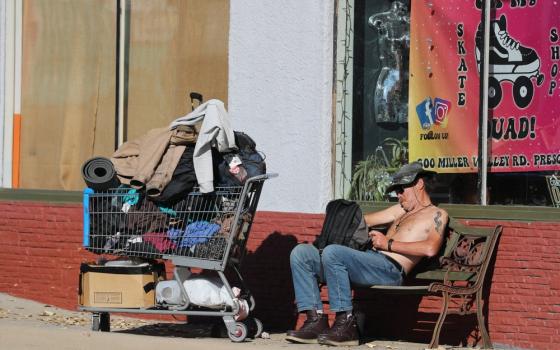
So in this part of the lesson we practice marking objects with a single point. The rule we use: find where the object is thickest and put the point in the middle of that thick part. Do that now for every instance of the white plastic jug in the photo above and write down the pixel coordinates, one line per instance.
(169, 293)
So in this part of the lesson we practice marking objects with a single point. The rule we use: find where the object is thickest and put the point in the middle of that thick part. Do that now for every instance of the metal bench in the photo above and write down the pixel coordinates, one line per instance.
(459, 273)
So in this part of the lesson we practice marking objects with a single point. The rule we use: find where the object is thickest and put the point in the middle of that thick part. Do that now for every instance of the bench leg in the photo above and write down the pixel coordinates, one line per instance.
(439, 324)
(480, 318)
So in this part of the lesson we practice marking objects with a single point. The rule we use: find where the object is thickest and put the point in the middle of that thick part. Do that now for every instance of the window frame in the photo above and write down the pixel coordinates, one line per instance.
(342, 128)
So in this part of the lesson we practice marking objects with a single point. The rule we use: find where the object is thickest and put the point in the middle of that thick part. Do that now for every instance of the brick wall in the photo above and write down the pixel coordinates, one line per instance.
(41, 253)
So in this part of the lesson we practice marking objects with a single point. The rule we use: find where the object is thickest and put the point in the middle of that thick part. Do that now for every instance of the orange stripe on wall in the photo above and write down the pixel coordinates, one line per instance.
(15, 151)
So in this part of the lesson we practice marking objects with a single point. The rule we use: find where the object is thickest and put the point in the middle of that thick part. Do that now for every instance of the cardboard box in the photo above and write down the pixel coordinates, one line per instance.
(119, 286)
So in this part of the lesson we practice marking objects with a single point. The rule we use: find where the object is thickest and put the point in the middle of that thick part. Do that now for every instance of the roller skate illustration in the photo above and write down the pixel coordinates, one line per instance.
(510, 61)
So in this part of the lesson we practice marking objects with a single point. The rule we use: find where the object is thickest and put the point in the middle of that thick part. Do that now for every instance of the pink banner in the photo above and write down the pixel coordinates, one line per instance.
(524, 85)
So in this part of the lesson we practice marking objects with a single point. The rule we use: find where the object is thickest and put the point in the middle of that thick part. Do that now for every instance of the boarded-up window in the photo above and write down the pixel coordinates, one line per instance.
(69, 77)
(68, 89)
(176, 47)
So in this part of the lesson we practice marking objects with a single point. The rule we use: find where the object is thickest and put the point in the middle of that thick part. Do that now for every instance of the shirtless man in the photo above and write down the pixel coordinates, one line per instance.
(416, 231)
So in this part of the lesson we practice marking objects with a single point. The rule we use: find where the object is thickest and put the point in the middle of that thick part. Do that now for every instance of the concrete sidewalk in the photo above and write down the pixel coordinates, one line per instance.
(27, 325)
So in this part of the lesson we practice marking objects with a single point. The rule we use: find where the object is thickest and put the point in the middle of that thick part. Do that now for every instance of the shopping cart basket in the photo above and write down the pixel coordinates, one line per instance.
(204, 231)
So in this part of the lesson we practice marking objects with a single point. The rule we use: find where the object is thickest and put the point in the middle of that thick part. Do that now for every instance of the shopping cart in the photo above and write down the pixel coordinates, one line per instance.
(203, 231)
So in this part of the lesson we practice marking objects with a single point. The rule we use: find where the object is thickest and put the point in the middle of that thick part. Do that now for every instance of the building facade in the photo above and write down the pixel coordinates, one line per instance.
(299, 77)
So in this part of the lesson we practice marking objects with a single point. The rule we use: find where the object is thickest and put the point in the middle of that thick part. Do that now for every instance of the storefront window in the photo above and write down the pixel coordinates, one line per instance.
(416, 91)
(380, 116)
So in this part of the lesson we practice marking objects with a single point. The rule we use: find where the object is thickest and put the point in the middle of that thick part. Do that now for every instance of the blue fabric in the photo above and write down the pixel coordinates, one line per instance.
(131, 197)
(166, 210)
(341, 266)
(195, 233)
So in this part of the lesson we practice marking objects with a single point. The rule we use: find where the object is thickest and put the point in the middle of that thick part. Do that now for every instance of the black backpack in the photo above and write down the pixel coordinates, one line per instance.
(345, 225)
(253, 161)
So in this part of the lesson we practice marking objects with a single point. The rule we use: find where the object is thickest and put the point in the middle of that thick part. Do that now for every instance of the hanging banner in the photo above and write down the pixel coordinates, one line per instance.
(524, 85)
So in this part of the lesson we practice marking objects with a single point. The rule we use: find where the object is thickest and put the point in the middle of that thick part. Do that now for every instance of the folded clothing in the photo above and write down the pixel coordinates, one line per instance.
(195, 233)
(159, 240)
(213, 249)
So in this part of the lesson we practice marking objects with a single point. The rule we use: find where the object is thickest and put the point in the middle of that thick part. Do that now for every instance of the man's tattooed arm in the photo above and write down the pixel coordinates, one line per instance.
(438, 222)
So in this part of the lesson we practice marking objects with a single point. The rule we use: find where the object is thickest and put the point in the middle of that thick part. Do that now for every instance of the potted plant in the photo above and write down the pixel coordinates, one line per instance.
(372, 175)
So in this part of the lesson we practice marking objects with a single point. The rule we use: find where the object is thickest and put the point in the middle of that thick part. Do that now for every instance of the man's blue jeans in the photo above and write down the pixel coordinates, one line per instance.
(339, 267)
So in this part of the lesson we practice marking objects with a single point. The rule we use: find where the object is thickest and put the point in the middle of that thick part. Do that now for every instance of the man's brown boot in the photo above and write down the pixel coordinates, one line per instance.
(344, 332)
(312, 327)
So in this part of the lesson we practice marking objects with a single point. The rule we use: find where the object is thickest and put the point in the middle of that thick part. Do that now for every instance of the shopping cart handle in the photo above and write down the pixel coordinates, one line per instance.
(262, 177)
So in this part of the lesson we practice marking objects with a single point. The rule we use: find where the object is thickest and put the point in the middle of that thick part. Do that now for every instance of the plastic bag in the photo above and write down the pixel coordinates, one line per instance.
(210, 292)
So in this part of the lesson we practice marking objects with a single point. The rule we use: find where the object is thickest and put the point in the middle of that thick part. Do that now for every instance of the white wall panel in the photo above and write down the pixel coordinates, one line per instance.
(2, 82)
(280, 93)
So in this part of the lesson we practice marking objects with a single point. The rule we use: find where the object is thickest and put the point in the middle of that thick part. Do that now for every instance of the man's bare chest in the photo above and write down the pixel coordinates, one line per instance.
(410, 231)
(410, 228)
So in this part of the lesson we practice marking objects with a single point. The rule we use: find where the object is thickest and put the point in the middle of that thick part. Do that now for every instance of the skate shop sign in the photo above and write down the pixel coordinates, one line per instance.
(446, 41)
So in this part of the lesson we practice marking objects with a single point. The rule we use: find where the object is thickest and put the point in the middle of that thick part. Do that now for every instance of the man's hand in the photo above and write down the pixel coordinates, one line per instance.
(378, 239)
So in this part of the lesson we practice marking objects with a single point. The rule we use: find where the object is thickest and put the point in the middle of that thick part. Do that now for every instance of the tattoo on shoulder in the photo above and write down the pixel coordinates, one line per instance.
(438, 222)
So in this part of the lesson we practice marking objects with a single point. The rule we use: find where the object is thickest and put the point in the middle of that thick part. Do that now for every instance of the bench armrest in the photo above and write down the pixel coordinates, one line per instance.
(448, 287)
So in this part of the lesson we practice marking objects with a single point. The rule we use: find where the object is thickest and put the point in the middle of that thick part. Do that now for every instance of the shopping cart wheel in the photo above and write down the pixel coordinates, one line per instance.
(100, 322)
(240, 332)
(255, 327)
(259, 327)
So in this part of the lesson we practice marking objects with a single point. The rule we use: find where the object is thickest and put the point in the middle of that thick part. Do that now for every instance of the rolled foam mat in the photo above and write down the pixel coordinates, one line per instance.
(99, 174)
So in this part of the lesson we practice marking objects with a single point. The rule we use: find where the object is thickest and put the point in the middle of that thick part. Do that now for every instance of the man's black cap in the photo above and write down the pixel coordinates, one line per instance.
(407, 174)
